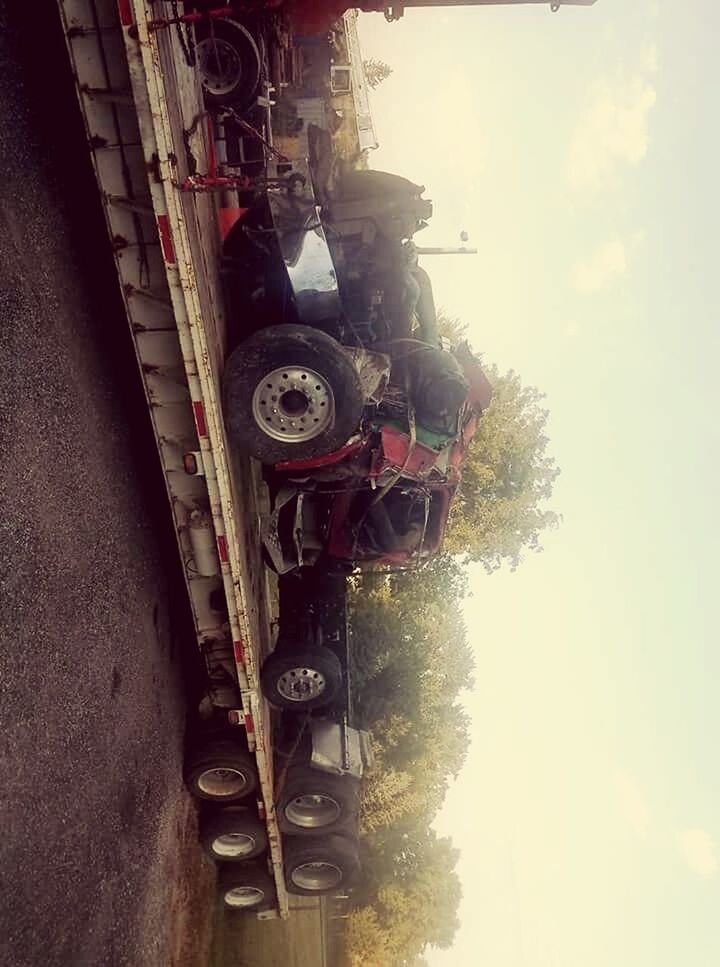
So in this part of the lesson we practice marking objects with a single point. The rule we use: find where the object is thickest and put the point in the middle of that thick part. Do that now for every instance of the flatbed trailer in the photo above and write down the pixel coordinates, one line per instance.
(148, 134)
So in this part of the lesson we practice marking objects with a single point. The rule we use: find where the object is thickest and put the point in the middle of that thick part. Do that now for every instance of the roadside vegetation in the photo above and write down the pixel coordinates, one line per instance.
(412, 662)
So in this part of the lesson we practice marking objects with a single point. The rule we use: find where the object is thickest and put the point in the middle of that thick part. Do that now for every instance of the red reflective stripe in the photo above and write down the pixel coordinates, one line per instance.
(222, 548)
(239, 652)
(261, 809)
(166, 242)
(199, 411)
(249, 724)
(125, 11)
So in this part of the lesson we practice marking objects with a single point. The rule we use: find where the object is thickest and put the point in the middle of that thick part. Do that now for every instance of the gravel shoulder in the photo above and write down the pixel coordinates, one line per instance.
(98, 857)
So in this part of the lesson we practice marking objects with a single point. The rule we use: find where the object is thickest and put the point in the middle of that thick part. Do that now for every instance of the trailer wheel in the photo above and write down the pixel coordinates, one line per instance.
(300, 680)
(233, 836)
(315, 867)
(220, 771)
(314, 803)
(291, 393)
(246, 887)
(229, 64)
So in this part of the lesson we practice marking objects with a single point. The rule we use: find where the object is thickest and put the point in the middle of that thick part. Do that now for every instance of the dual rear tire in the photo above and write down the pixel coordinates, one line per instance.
(317, 814)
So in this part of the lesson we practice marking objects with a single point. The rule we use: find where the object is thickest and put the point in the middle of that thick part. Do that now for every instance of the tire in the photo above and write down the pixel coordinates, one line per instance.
(316, 867)
(233, 835)
(229, 65)
(315, 803)
(310, 378)
(220, 771)
(301, 680)
(249, 885)
(364, 185)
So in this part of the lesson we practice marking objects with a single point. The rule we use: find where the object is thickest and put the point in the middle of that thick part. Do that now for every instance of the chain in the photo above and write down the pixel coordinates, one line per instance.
(185, 35)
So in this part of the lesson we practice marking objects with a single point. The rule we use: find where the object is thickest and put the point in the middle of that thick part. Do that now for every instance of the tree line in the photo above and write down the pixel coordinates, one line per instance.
(411, 662)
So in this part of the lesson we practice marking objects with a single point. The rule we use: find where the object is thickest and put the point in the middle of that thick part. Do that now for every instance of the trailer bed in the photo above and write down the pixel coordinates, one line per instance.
(148, 131)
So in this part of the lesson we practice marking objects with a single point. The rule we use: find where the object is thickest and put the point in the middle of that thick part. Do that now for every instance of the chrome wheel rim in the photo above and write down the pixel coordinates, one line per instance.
(219, 783)
(312, 811)
(316, 876)
(301, 684)
(220, 65)
(232, 845)
(294, 404)
(244, 896)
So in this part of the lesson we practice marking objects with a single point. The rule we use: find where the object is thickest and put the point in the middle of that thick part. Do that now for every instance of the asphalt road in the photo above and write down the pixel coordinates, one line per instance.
(93, 662)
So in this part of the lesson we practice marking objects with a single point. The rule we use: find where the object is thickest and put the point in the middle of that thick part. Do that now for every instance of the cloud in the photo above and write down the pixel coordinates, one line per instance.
(700, 851)
(633, 805)
(614, 129)
(606, 263)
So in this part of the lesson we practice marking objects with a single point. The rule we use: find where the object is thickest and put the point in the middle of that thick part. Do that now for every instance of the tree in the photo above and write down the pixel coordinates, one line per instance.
(415, 905)
(376, 71)
(411, 658)
(508, 477)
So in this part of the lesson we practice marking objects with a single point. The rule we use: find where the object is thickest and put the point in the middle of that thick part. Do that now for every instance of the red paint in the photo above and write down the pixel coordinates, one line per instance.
(125, 11)
(249, 724)
(166, 241)
(324, 461)
(199, 411)
(228, 218)
(222, 548)
(399, 451)
(239, 652)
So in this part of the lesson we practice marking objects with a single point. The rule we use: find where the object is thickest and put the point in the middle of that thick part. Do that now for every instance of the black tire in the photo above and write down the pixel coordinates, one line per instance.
(335, 401)
(315, 803)
(316, 867)
(226, 46)
(251, 886)
(220, 771)
(233, 835)
(301, 680)
(363, 185)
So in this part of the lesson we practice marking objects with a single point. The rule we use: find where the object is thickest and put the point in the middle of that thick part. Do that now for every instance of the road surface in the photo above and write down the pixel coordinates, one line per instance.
(94, 663)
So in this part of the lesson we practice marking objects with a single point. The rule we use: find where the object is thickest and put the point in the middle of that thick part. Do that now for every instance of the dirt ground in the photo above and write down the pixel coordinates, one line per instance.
(241, 941)
(99, 863)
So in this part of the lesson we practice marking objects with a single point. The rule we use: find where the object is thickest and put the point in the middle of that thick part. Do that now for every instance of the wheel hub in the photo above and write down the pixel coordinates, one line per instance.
(293, 404)
(220, 65)
(244, 896)
(233, 844)
(222, 782)
(312, 811)
(317, 876)
(301, 684)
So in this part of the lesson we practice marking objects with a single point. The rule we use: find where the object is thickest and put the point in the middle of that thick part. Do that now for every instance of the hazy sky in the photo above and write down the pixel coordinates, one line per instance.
(581, 152)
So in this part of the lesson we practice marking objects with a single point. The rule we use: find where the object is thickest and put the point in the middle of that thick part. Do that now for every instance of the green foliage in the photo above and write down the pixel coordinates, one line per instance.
(411, 660)
(410, 910)
(508, 477)
(376, 71)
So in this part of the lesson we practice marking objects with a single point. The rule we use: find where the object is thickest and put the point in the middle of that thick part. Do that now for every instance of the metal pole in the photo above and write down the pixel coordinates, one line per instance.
(434, 250)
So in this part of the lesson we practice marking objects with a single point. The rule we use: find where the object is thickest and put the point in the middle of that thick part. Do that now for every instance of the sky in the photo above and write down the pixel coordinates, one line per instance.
(581, 151)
